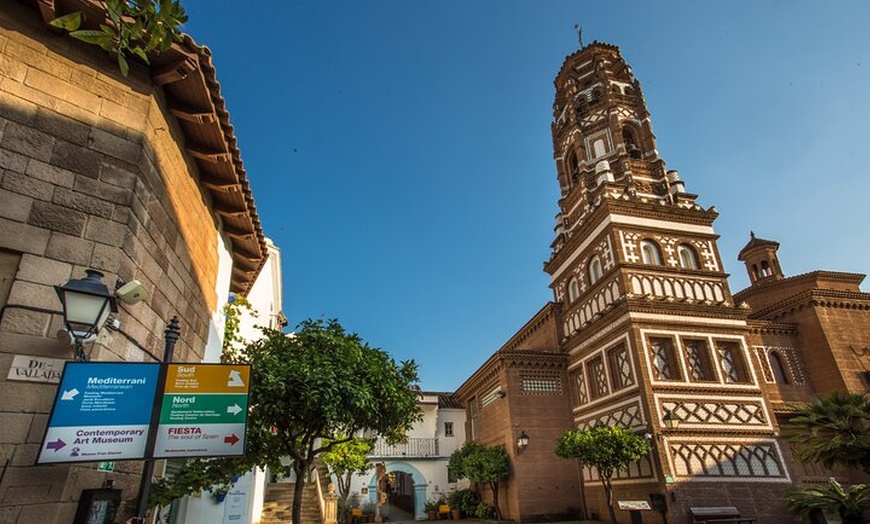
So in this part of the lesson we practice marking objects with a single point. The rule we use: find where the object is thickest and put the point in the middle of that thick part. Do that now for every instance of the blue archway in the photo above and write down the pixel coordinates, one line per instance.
(420, 485)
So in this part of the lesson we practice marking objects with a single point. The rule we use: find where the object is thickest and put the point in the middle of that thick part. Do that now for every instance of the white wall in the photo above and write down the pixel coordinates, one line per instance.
(265, 299)
(430, 473)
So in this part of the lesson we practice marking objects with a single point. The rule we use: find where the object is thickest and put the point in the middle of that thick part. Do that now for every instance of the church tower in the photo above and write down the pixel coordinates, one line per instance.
(654, 340)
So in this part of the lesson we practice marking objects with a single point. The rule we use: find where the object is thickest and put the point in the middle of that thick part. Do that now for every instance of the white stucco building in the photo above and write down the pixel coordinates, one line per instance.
(244, 503)
(418, 468)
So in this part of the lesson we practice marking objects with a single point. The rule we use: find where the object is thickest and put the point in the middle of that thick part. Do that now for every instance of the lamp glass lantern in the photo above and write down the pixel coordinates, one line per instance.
(87, 303)
(670, 420)
(522, 440)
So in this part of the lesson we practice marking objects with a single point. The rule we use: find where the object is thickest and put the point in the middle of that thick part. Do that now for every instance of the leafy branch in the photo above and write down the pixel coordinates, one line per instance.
(136, 28)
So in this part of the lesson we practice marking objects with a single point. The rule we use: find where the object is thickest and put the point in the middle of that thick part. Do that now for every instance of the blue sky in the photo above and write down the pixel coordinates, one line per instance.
(400, 152)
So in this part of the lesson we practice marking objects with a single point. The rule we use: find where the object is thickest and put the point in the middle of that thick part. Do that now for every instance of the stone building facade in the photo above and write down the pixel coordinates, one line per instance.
(138, 177)
(643, 326)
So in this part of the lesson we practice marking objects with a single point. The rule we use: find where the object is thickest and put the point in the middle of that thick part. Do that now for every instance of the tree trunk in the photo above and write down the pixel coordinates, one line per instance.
(299, 469)
(494, 487)
(608, 493)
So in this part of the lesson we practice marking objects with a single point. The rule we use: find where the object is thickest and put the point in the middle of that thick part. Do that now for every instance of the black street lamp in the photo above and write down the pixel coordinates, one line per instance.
(86, 303)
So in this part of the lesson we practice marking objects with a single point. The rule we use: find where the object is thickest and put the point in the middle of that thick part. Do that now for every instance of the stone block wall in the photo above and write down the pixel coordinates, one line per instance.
(93, 174)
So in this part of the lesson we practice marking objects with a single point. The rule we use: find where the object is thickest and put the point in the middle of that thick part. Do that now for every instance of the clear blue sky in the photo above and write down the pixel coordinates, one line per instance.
(400, 152)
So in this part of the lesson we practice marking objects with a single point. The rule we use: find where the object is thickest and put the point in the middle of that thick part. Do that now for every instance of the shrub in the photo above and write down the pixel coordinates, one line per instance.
(485, 510)
(465, 500)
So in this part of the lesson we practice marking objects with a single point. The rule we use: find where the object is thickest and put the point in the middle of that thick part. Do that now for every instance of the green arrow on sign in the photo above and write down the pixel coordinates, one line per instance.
(203, 409)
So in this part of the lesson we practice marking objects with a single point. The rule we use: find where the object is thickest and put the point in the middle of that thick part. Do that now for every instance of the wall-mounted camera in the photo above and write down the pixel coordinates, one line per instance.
(131, 293)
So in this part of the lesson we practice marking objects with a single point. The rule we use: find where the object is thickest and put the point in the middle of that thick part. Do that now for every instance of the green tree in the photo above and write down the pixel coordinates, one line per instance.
(135, 28)
(308, 391)
(488, 465)
(833, 430)
(607, 449)
(346, 460)
(849, 503)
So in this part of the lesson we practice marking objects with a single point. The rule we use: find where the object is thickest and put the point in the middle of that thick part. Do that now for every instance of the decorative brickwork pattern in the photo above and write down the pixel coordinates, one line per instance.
(629, 416)
(723, 461)
(541, 383)
(789, 358)
(716, 411)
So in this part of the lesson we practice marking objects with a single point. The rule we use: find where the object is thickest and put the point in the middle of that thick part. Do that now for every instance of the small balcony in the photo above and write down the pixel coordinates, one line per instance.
(414, 447)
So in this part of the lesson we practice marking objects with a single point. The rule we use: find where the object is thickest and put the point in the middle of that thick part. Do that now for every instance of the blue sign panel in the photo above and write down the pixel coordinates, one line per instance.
(102, 412)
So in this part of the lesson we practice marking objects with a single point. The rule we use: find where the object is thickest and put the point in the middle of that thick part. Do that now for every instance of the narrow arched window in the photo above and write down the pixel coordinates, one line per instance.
(765, 269)
(596, 96)
(650, 252)
(573, 290)
(573, 169)
(688, 257)
(630, 143)
(777, 368)
(599, 148)
(595, 269)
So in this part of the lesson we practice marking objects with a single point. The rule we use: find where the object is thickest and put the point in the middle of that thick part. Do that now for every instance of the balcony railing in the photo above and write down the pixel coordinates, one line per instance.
(414, 447)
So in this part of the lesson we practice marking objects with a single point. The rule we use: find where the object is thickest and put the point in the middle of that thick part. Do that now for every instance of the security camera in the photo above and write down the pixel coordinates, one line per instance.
(132, 292)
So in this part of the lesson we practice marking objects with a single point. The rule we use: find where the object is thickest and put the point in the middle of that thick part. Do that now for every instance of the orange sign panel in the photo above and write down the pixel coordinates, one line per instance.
(207, 378)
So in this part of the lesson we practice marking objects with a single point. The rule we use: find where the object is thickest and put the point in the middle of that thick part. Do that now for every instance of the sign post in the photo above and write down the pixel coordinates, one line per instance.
(101, 413)
(204, 411)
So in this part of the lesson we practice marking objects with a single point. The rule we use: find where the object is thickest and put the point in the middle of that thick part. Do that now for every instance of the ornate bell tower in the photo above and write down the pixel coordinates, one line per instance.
(645, 314)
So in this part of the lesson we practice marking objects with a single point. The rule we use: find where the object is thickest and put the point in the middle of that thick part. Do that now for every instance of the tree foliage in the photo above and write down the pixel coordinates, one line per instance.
(607, 449)
(833, 430)
(309, 390)
(136, 28)
(849, 503)
(346, 460)
(487, 465)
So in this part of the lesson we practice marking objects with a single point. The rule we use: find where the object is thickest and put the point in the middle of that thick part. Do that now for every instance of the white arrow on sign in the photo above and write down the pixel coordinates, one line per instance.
(69, 395)
(235, 409)
(235, 380)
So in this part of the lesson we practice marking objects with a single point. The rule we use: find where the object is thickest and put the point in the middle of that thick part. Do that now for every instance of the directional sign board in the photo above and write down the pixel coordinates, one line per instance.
(101, 413)
(204, 411)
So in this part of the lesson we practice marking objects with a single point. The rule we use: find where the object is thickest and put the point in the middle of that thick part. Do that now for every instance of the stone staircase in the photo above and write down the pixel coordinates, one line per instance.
(278, 501)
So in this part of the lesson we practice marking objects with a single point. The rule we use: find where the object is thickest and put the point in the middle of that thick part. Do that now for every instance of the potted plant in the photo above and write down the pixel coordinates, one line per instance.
(453, 501)
(431, 507)
(464, 500)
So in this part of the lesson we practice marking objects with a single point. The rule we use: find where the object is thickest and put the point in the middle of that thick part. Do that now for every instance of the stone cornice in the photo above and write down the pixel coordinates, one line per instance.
(826, 298)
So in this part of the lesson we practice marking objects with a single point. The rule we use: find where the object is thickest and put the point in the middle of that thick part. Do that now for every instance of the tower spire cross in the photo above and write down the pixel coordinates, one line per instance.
(579, 30)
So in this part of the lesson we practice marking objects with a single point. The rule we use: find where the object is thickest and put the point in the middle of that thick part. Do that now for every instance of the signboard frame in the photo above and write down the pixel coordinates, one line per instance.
(156, 373)
(157, 427)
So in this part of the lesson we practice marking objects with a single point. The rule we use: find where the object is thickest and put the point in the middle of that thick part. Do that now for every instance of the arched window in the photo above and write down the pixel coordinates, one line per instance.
(599, 148)
(650, 252)
(573, 169)
(778, 369)
(630, 143)
(755, 271)
(688, 257)
(765, 269)
(596, 96)
(595, 269)
(573, 290)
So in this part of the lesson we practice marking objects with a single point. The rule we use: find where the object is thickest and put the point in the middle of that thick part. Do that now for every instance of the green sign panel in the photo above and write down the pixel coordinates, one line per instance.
(203, 409)
(105, 466)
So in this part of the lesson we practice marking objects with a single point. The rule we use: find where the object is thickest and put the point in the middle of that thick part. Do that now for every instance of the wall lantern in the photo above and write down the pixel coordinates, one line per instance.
(522, 441)
(86, 303)
(670, 420)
